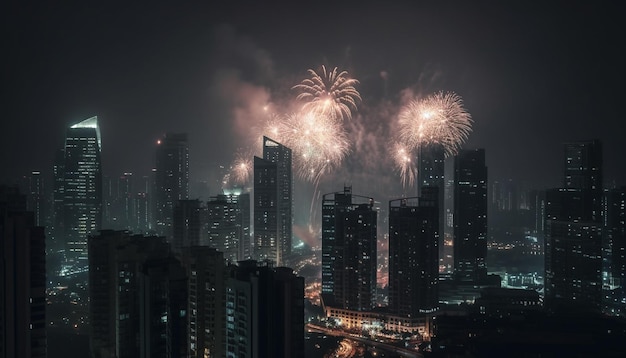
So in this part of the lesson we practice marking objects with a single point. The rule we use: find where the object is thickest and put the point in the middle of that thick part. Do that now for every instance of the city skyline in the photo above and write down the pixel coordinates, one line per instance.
(520, 74)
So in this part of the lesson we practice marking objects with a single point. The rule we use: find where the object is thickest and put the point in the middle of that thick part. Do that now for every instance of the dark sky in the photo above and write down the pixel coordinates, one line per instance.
(532, 74)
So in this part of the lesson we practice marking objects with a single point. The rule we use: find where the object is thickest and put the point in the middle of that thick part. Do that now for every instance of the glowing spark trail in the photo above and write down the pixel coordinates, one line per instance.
(330, 93)
(403, 164)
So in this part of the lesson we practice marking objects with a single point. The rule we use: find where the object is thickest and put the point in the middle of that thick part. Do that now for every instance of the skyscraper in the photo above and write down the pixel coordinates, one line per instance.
(470, 216)
(431, 173)
(414, 254)
(138, 297)
(229, 224)
(207, 274)
(273, 202)
(171, 179)
(573, 232)
(264, 311)
(189, 225)
(82, 188)
(614, 252)
(349, 238)
(22, 279)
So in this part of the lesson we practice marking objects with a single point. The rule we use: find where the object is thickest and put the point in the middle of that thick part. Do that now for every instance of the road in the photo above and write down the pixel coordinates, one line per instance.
(409, 353)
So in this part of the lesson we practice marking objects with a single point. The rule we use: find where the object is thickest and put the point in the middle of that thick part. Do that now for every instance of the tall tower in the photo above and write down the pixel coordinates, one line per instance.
(22, 279)
(264, 311)
(273, 202)
(414, 254)
(138, 297)
(349, 229)
(207, 274)
(171, 179)
(189, 225)
(229, 224)
(82, 188)
(614, 252)
(470, 216)
(431, 174)
(573, 232)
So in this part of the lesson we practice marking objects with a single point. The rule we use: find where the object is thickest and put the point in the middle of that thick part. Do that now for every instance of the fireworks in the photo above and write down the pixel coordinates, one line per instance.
(437, 119)
(403, 164)
(240, 169)
(319, 144)
(331, 94)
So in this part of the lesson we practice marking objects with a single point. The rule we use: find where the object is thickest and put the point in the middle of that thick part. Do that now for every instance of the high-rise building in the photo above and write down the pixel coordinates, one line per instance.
(349, 238)
(431, 173)
(414, 254)
(273, 202)
(33, 187)
(82, 188)
(470, 216)
(573, 232)
(171, 179)
(229, 224)
(189, 225)
(138, 297)
(22, 279)
(207, 274)
(614, 252)
(264, 311)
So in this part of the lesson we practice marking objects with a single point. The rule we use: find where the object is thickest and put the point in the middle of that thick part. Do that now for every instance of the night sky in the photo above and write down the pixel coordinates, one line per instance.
(532, 75)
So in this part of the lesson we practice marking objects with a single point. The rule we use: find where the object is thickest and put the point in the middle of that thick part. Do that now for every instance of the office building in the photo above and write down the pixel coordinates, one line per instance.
(22, 279)
(229, 224)
(614, 252)
(414, 254)
(470, 216)
(573, 233)
(82, 189)
(273, 202)
(171, 179)
(349, 239)
(431, 173)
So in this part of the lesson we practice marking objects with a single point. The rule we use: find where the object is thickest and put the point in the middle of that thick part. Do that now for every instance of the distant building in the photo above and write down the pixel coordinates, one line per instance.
(273, 193)
(264, 311)
(189, 225)
(138, 297)
(414, 254)
(82, 188)
(22, 279)
(229, 224)
(470, 216)
(171, 179)
(349, 239)
(614, 252)
(58, 188)
(573, 232)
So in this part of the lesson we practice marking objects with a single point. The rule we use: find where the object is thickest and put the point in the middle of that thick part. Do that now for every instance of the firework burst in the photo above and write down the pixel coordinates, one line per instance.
(241, 168)
(403, 164)
(437, 119)
(319, 144)
(329, 93)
